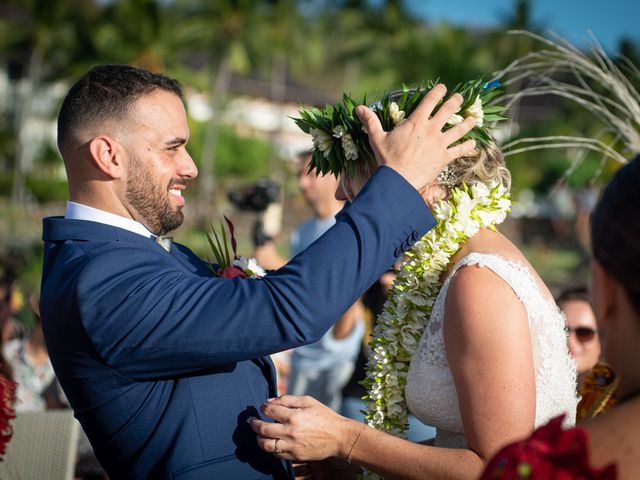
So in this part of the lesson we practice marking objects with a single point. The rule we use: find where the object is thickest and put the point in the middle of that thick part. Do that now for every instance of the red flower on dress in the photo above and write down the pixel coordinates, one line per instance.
(550, 453)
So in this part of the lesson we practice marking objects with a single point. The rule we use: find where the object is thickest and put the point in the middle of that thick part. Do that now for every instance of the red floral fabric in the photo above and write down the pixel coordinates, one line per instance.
(7, 413)
(550, 453)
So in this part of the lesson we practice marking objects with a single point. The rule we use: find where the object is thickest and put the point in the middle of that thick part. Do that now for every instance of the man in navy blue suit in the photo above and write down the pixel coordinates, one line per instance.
(164, 364)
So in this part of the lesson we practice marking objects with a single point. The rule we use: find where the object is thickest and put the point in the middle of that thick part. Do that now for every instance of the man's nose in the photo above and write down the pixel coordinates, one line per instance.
(187, 167)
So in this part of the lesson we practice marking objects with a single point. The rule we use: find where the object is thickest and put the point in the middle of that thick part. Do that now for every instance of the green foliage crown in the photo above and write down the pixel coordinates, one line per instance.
(340, 140)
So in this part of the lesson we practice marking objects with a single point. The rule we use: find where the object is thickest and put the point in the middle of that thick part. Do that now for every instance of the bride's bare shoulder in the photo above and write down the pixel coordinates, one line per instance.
(495, 243)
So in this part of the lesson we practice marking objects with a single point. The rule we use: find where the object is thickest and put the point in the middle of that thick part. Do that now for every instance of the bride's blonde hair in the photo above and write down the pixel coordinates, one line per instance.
(485, 164)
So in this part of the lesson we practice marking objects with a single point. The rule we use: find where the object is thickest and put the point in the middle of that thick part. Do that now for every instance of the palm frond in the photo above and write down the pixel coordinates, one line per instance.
(589, 79)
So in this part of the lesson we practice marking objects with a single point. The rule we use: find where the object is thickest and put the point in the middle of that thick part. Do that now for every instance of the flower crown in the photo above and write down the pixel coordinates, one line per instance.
(340, 139)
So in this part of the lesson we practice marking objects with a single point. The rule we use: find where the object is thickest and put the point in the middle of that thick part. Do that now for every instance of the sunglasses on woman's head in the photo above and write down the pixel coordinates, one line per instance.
(584, 334)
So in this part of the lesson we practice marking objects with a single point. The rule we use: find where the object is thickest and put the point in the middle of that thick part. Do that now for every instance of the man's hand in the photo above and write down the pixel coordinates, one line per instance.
(419, 149)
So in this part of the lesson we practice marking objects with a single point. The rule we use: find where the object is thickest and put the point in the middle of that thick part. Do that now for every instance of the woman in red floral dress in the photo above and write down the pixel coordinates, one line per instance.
(7, 386)
(606, 447)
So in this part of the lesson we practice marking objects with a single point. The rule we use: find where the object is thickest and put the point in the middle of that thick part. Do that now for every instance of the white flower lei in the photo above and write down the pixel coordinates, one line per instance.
(408, 307)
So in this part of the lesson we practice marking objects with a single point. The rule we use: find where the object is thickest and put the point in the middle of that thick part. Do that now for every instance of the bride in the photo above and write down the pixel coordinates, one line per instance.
(490, 361)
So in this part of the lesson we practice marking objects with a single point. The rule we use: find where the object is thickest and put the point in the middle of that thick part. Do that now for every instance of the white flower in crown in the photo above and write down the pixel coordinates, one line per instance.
(349, 147)
(321, 141)
(455, 119)
(476, 111)
(397, 115)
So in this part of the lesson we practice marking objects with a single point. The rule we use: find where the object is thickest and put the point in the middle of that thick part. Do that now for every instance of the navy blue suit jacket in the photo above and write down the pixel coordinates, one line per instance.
(163, 364)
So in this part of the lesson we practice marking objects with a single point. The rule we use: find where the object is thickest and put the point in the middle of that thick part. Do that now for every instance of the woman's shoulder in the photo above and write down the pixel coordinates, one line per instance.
(494, 251)
(481, 291)
(613, 437)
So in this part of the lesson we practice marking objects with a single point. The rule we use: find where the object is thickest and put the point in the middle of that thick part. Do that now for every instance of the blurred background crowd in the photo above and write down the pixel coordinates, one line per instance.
(246, 66)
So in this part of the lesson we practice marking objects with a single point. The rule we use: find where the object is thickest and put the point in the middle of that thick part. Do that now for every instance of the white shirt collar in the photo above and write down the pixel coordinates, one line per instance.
(78, 211)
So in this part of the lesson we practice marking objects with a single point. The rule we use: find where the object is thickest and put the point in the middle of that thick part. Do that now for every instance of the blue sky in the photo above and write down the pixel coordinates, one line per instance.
(609, 20)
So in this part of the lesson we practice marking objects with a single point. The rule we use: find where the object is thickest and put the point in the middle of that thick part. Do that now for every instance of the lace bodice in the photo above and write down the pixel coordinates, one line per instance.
(430, 391)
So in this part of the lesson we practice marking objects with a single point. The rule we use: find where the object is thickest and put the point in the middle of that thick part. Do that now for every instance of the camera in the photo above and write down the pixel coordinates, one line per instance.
(255, 197)
(258, 197)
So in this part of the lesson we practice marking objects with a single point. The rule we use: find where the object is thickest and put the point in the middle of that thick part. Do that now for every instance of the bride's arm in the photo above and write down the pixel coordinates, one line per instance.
(487, 335)
(309, 430)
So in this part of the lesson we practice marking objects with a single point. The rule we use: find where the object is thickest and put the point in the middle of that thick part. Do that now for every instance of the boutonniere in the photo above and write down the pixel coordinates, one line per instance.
(229, 266)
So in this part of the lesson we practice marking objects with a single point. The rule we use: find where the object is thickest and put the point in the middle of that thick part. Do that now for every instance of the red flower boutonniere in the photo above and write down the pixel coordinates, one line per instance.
(228, 266)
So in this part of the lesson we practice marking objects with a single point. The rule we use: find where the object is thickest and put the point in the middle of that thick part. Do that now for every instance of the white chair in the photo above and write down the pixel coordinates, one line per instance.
(43, 446)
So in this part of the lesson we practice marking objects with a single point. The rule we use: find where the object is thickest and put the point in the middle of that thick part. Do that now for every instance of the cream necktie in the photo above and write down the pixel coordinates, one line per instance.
(165, 242)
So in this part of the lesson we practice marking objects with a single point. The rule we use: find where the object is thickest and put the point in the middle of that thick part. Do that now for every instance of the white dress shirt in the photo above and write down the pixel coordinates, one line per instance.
(78, 211)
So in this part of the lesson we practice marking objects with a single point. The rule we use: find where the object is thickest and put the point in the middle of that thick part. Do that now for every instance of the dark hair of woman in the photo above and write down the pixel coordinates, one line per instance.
(615, 230)
(573, 293)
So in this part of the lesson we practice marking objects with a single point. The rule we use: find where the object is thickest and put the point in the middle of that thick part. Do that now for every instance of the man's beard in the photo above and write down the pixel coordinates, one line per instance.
(151, 201)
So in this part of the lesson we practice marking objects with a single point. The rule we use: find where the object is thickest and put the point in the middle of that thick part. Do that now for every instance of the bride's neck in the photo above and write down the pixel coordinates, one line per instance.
(473, 244)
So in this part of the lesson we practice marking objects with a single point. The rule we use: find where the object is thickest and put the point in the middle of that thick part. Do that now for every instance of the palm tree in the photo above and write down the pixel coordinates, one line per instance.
(265, 38)
(143, 33)
(221, 32)
(41, 37)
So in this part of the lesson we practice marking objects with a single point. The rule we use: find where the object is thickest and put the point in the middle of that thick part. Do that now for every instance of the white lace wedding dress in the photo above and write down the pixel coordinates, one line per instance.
(430, 391)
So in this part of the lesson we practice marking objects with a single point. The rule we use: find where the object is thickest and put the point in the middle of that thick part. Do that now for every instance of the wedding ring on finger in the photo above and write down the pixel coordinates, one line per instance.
(276, 450)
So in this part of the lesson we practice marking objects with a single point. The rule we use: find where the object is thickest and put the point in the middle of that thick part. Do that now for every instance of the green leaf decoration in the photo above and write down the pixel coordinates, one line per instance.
(331, 157)
(219, 244)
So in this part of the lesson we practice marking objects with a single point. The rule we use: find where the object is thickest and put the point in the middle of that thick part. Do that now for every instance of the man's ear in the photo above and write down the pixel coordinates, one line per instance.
(107, 155)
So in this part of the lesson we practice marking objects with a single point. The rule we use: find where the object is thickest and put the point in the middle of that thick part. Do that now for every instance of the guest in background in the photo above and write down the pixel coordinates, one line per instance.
(584, 341)
(597, 383)
(323, 368)
(7, 385)
(32, 369)
(605, 447)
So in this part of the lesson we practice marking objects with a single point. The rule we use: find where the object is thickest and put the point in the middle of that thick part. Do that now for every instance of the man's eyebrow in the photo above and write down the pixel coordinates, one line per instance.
(175, 142)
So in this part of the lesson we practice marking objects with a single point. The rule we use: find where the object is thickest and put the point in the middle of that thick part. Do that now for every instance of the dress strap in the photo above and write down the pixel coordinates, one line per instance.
(516, 275)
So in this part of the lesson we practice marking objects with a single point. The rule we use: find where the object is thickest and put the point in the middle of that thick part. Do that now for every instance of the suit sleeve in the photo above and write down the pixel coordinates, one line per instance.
(148, 320)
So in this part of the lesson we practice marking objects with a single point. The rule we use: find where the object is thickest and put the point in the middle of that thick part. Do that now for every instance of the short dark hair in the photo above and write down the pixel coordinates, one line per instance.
(107, 92)
(615, 230)
(578, 292)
